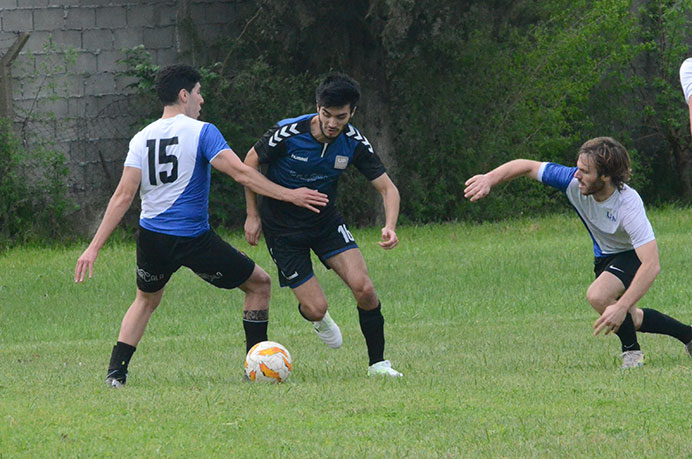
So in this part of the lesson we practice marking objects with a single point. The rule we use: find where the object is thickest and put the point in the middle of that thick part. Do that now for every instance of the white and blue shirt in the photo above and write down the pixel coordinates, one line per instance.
(686, 78)
(616, 225)
(174, 155)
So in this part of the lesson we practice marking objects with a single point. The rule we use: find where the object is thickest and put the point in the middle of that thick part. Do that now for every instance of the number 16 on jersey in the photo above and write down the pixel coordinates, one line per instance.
(348, 237)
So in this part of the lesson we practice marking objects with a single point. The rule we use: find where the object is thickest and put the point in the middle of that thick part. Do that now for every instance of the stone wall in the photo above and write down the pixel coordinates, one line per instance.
(87, 110)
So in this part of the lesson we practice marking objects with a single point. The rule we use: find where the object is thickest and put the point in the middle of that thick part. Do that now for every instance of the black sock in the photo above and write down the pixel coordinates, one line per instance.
(657, 322)
(255, 323)
(372, 326)
(120, 359)
(627, 334)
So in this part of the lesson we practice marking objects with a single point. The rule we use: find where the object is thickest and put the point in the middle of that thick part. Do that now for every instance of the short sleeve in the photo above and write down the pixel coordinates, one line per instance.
(211, 142)
(686, 78)
(269, 150)
(135, 152)
(636, 224)
(556, 175)
(367, 162)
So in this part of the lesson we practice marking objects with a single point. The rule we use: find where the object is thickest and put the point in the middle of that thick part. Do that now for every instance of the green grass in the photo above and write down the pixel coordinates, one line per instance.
(488, 323)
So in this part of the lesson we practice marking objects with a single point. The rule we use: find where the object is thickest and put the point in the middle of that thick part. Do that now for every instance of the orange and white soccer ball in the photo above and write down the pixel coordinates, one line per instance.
(268, 361)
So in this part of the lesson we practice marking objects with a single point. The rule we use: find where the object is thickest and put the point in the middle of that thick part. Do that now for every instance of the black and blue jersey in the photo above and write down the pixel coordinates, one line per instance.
(296, 159)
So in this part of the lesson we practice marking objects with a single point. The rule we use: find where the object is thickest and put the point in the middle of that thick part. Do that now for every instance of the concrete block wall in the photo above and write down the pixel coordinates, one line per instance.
(87, 110)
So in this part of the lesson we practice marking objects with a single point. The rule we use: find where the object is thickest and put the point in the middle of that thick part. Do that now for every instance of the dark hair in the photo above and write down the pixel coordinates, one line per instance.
(338, 90)
(170, 80)
(610, 158)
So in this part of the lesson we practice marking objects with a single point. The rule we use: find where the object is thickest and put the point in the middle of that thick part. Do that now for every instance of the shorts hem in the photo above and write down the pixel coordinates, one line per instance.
(328, 255)
(300, 282)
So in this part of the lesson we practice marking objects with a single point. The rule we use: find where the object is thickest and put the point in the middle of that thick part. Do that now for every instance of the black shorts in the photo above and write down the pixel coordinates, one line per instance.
(210, 257)
(623, 265)
(291, 250)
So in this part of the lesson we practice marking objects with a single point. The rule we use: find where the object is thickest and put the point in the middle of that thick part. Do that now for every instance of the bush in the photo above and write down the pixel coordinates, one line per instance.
(33, 199)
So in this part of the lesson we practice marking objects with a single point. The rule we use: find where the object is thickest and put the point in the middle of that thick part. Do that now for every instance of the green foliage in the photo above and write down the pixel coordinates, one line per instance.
(33, 198)
(34, 203)
(502, 90)
(663, 130)
(463, 87)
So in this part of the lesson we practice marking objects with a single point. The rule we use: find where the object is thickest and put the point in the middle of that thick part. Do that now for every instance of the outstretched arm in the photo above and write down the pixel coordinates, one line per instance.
(479, 186)
(117, 206)
(390, 197)
(613, 315)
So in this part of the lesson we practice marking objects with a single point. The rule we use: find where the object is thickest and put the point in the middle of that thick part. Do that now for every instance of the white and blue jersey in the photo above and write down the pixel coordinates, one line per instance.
(686, 78)
(174, 155)
(296, 159)
(616, 225)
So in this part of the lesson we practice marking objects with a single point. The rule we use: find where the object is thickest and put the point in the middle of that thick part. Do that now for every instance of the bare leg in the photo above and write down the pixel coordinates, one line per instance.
(350, 266)
(256, 307)
(313, 302)
(137, 316)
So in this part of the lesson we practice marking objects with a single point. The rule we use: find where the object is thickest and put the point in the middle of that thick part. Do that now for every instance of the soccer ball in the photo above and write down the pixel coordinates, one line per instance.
(268, 361)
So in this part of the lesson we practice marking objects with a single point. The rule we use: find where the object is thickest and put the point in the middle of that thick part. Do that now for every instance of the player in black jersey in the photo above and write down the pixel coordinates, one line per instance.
(312, 151)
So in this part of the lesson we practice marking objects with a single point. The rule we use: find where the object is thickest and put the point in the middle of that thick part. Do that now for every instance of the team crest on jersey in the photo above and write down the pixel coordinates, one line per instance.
(340, 162)
(611, 217)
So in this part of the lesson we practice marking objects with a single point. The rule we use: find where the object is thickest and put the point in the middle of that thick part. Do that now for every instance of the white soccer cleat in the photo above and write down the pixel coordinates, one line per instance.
(328, 331)
(383, 368)
(632, 359)
(114, 383)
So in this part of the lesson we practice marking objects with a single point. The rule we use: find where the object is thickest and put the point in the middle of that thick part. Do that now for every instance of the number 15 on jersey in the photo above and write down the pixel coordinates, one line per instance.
(165, 174)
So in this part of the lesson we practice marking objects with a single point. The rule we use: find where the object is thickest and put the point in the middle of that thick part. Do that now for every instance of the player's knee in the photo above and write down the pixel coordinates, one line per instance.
(259, 283)
(596, 299)
(314, 310)
(364, 291)
(148, 301)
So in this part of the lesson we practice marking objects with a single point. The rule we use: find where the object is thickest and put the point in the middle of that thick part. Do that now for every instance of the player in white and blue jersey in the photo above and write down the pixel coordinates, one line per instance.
(170, 162)
(686, 83)
(313, 150)
(626, 260)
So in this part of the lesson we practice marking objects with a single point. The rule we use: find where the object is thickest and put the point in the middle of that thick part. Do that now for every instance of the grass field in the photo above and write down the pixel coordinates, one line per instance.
(488, 323)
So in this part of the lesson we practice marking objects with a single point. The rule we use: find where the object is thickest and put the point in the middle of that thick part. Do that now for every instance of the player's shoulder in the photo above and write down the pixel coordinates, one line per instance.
(177, 122)
(629, 197)
(287, 128)
(302, 121)
(354, 135)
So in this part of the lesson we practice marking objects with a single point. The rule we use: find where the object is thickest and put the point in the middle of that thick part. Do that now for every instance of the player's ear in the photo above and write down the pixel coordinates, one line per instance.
(353, 111)
(183, 95)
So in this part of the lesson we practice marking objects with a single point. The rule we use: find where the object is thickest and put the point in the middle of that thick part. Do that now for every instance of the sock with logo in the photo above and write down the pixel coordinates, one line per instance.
(657, 322)
(627, 335)
(255, 323)
(372, 326)
(120, 359)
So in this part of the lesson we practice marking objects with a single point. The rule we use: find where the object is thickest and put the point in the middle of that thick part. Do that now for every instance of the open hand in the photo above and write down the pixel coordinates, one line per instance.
(610, 320)
(85, 263)
(477, 187)
(310, 199)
